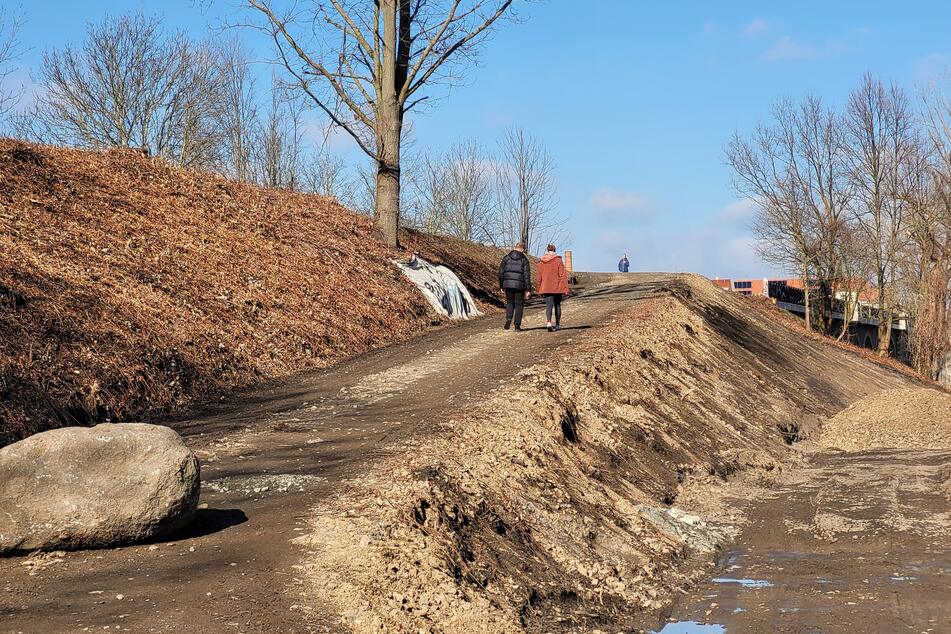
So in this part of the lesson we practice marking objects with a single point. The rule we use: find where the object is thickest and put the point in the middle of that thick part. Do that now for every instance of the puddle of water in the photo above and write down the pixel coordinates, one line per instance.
(691, 627)
(738, 610)
(746, 583)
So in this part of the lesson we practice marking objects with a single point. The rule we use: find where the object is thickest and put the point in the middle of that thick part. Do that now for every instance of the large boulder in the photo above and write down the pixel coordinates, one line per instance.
(91, 487)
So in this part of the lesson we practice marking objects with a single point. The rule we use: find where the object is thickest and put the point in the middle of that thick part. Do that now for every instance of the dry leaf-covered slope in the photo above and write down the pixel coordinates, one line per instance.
(129, 286)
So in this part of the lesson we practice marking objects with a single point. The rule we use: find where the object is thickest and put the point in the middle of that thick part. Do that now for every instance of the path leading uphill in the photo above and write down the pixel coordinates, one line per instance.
(266, 458)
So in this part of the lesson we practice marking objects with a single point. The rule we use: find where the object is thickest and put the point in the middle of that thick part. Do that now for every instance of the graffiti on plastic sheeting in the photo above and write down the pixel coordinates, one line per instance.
(442, 288)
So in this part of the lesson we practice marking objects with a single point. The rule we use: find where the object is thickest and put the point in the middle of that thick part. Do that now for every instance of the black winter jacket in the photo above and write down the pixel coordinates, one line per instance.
(515, 272)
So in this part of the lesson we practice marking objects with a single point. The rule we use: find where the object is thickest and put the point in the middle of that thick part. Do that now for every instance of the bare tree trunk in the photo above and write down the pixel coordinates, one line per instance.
(386, 220)
(805, 287)
(389, 123)
(884, 319)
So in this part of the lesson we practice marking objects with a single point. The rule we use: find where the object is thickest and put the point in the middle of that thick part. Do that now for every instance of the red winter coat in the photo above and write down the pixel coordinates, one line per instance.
(552, 277)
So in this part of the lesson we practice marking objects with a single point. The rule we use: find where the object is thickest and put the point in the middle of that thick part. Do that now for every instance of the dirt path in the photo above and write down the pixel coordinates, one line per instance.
(269, 456)
(853, 543)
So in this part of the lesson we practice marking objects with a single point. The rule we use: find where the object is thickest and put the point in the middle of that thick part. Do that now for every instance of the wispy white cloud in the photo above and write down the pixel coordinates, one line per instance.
(756, 27)
(621, 207)
(787, 49)
(932, 68)
(739, 212)
(710, 26)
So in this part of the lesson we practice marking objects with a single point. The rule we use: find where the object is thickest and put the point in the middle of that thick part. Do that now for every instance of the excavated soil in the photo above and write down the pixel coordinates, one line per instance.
(552, 506)
(917, 418)
(475, 479)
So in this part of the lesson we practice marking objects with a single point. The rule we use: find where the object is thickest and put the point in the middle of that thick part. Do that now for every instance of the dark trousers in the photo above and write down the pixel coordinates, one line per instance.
(514, 306)
(553, 302)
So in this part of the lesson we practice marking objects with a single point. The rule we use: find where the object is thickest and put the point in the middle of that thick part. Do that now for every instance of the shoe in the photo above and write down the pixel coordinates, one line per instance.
(550, 327)
(557, 326)
(508, 324)
(517, 329)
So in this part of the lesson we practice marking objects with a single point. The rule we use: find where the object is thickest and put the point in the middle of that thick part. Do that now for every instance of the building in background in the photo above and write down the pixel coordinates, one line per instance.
(856, 297)
(755, 287)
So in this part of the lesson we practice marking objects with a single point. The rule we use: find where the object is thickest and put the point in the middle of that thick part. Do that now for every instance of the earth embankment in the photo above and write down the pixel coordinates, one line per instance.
(130, 287)
(553, 505)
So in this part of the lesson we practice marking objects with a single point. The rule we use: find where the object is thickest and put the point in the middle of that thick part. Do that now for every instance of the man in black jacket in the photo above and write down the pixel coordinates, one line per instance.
(515, 280)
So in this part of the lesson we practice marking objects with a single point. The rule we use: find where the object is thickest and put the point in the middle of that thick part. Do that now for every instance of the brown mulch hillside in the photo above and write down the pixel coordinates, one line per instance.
(129, 287)
(913, 418)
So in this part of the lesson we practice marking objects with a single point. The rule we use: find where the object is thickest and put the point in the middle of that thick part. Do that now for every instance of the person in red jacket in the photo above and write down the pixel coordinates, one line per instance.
(552, 285)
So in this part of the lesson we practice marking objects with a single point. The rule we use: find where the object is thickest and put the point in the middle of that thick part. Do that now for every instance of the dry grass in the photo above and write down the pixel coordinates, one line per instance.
(129, 287)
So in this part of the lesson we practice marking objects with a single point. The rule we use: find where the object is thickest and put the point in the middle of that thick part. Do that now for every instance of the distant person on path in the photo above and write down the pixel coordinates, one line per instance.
(552, 285)
(515, 280)
(623, 265)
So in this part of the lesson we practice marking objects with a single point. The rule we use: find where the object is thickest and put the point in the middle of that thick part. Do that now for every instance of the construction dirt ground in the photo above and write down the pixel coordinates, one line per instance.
(659, 464)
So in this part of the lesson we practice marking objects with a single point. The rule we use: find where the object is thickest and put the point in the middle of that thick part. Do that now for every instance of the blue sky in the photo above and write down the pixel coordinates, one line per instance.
(635, 101)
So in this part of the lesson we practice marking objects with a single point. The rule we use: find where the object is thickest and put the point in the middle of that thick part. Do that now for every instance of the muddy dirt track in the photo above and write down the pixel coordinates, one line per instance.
(269, 456)
(853, 543)
(266, 458)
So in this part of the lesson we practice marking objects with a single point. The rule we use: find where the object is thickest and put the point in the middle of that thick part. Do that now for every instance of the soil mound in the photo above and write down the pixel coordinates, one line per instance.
(913, 418)
(129, 286)
(553, 506)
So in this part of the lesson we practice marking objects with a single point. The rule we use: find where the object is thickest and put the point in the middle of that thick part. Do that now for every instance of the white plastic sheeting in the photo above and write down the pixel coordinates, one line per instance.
(447, 294)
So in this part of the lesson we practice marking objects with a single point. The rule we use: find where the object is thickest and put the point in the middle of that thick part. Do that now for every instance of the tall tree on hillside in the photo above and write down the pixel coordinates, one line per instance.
(526, 185)
(9, 51)
(131, 85)
(929, 197)
(824, 181)
(766, 170)
(278, 146)
(454, 194)
(238, 114)
(367, 64)
(881, 139)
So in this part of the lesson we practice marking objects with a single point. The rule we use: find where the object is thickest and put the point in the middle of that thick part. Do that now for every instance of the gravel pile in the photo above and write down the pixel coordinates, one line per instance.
(908, 418)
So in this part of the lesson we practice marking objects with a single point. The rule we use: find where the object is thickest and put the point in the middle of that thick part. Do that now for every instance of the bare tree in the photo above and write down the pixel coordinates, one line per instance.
(856, 271)
(526, 187)
(881, 138)
(9, 51)
(929, 198)
(278, 149)
(428, 192)
(471, 192)
(766, 170)
(328, 175)
(366, 64)
(823, 180)
(131, 85)
(454, 194)
(238, 112)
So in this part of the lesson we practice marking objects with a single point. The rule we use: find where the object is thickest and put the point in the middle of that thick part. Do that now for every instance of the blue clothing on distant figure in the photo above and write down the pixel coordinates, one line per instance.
(623, 265)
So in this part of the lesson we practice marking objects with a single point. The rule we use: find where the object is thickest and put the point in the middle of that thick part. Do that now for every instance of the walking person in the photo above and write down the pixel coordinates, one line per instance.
(552, 285)
(623, 264)
(515, 280)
